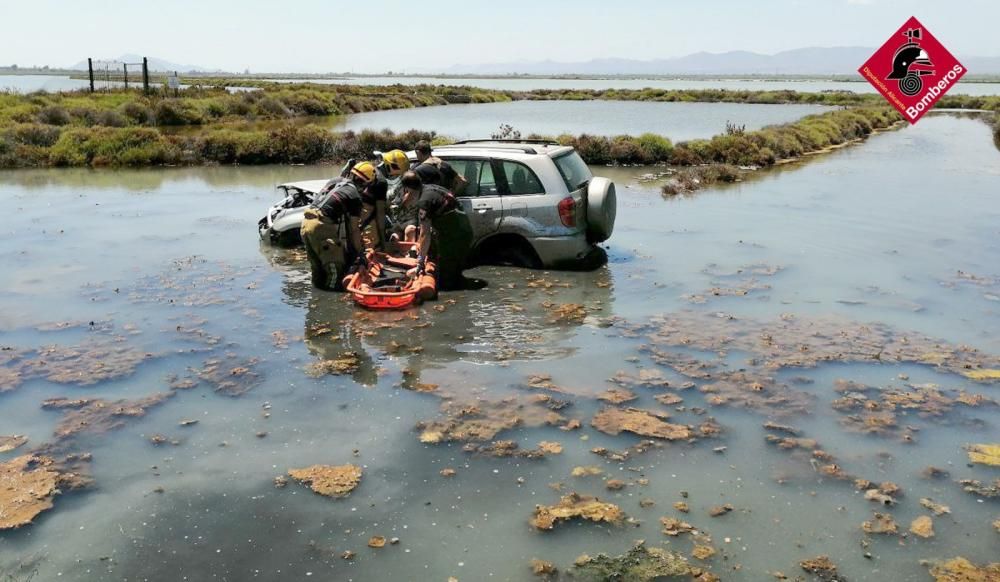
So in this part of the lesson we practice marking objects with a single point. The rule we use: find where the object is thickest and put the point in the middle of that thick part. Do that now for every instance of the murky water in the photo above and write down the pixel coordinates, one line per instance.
(678, 121)
(50, 83)
(166, 263)
(520, 84)
(56, 83)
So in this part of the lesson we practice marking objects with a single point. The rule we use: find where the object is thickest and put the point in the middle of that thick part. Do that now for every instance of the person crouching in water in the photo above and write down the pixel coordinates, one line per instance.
(338, 206)
(444, 235)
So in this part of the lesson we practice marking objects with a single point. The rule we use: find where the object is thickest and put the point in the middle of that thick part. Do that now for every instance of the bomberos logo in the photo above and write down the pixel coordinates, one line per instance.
(912, 70)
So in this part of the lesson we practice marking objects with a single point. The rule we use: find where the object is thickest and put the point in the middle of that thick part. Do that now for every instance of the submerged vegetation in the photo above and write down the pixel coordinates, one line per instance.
(284, 124)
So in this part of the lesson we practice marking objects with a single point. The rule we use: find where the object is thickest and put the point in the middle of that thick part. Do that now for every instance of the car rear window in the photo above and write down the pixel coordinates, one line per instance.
(521, 180)
(574, 170)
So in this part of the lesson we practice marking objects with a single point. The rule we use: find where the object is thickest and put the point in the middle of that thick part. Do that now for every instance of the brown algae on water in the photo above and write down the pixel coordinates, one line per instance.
(95, 415)
(962, 570)
(821, 567)
(28, 485)
(639, 564)
(613, 421)
(922, 526)
(327, 480)
(9, 443)
(576, 506)
(483, 420)
(95, 360)
(985, 454)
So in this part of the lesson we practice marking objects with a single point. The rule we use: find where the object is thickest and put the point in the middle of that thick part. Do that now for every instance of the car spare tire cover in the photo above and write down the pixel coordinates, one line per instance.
(602, 205)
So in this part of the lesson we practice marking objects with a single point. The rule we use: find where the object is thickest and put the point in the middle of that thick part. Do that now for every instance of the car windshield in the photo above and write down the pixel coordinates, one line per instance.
(574, 171)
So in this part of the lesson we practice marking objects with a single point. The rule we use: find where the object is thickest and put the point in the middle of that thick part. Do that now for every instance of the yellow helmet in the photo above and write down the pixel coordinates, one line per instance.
(397, 162)
(365, 171)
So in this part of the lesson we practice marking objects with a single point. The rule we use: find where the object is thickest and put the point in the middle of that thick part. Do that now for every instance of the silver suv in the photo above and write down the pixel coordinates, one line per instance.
(531, 203)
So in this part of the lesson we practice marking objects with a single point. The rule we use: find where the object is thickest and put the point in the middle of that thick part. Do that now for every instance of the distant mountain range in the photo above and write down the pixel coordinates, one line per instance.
(804, 61)
(155, 64)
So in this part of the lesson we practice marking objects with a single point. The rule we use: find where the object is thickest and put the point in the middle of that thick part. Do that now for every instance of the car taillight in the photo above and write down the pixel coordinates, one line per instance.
(567, 211)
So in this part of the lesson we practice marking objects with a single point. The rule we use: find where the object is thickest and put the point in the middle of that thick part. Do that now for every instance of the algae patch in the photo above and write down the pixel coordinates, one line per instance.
(327, 480)
(922, 526)
(985, 454)
(94, 415)
(28, 485)
(821, 567)
(962, 570)
(9, 443)
(613, 421)
(576, 506)
(639, 564)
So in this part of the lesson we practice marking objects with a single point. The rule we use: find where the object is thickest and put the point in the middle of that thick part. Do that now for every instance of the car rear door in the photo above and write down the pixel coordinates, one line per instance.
(525, 207)
(481, 196)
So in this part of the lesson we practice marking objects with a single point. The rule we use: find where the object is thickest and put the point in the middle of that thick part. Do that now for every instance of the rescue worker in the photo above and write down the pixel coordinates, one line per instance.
(434, 170)
(445, 234)
(336, 208)
(376, 194)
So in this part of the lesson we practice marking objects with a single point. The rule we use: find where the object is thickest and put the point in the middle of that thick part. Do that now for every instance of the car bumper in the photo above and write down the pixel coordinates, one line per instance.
(569, 252)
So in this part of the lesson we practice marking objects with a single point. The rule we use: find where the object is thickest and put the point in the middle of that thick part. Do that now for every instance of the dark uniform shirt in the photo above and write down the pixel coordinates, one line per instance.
(378, 190)
(338, 199)
(436, 171)
(435, 201)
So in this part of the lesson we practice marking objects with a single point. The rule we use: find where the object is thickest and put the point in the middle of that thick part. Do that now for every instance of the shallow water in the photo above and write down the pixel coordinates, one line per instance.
(56, 83)
(518, 84)
(168, 260)
(678, 121)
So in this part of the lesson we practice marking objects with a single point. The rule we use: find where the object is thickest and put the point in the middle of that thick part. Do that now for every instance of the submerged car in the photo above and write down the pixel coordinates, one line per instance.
(280, 226)
(531, 203)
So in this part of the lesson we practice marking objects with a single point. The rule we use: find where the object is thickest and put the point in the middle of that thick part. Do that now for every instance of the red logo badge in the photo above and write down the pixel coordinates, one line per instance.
(912, 70)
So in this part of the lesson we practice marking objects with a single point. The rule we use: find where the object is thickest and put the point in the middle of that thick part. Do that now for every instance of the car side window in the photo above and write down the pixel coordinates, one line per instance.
(521, 180)
(487, 182)
(472, 171)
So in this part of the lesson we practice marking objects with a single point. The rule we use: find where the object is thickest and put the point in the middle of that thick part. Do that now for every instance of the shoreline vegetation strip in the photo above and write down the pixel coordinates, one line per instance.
(283, 123)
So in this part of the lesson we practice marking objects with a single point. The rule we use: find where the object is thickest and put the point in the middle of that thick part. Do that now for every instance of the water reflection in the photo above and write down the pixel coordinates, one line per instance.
(512, 319)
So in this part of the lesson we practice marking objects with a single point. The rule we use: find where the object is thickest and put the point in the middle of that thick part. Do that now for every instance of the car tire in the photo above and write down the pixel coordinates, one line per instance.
(602, 206)
(287, 239)
(523, 255)
(508, 250)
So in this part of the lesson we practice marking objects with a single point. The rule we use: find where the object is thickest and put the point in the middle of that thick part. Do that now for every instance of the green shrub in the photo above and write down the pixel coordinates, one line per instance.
(996, 130)
(137, 113)
(216, 108)
(34, 134)
(300, 144)
(272, 108)
(108, 146)
(54, 115)
(177, 112)
(110, 118)
(655, 148)
(236, 147)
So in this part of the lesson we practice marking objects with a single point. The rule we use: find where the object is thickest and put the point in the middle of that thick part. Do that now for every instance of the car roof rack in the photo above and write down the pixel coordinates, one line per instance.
(533, 141)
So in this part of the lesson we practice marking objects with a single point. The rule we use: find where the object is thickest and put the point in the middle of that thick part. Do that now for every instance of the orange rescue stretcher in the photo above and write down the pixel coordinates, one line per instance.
(385, 285)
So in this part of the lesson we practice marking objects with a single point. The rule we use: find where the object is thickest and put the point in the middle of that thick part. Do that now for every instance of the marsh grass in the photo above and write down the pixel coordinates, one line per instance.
(127, 128)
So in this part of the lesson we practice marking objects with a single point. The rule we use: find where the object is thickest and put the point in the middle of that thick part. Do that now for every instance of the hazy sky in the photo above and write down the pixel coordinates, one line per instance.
(323, 36)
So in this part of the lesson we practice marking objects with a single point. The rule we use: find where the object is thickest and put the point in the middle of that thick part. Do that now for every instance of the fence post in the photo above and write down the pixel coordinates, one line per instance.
(125, 70)
(145, 75)
(90, 70)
